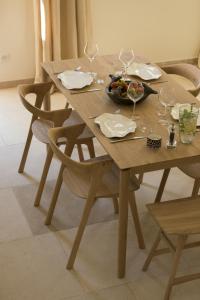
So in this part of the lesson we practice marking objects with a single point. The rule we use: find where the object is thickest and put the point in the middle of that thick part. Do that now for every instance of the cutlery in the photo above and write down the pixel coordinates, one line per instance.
(155, 82)
(78, 68)
(95, 116)
(128, 139)
(84, 91)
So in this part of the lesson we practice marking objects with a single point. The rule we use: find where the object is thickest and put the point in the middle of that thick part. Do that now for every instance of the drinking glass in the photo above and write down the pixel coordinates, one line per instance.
(166, 100)
(135, 92)
(188, 115)
(91, 50)
(126, 56)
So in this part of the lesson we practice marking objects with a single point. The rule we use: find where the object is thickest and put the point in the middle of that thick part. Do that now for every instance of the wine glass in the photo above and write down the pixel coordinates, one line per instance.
(135, 92)
(91, 50)
(166, 101)
(162, 108)
(126, 56)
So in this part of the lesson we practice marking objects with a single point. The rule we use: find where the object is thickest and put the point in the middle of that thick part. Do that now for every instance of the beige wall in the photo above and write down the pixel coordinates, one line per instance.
(162, 30)
(16, 39)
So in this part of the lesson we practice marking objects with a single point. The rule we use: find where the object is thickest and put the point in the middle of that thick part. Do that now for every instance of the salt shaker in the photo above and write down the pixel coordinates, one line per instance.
(171, 143)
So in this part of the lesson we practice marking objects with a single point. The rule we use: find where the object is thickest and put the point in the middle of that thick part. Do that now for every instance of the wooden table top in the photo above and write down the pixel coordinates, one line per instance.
(128, 154)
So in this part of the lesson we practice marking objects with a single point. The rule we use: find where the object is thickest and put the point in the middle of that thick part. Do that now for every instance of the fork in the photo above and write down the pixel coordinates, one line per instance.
(128, 139)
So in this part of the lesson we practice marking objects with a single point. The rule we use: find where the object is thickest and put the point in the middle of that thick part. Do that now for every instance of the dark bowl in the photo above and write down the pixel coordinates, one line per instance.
(125, 100)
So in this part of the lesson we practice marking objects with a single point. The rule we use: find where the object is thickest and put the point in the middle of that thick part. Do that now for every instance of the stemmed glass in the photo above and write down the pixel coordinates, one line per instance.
(135, 92)
(126, 56)
(91, 50)
(166, 100)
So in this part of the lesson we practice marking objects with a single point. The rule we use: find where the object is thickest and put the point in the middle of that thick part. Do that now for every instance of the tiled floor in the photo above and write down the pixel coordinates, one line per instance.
(33, 256)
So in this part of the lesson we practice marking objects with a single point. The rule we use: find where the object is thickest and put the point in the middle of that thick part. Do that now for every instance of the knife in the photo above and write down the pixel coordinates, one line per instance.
(84, 91)
(156, 82)
(128, 139)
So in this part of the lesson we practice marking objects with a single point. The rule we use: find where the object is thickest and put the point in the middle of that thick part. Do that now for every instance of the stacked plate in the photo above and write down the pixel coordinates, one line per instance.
(74, 79)
(144, 71)
(115, 125)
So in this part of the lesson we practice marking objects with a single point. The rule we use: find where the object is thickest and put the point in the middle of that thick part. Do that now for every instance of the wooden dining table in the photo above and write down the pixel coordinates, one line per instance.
(129, 155)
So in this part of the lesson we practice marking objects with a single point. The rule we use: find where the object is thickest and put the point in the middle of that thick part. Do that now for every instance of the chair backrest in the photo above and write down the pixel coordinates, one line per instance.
(81, 176)
(188, 71)
(41, 90)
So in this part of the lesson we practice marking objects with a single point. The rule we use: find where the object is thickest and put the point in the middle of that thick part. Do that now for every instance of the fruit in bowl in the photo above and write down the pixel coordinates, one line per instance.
(117, 90)
(136, 90)
(119, 87)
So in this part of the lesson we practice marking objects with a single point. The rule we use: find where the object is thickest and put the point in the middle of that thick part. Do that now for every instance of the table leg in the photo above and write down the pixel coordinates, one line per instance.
(47, 102)
(123, 221)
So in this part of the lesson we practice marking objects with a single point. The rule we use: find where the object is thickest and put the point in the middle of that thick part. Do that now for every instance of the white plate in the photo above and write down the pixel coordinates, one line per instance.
(146, 72)
(74, 79)
(115, 125)
(175, 113)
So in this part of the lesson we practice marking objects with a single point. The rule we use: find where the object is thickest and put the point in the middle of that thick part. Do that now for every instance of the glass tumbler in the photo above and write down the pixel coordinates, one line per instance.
(188, 115)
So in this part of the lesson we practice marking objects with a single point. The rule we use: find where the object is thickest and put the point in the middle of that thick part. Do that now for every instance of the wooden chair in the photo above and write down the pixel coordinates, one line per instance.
(90, 180)
(41, 122)
(192, 170)
(180, 218)
(190, 72)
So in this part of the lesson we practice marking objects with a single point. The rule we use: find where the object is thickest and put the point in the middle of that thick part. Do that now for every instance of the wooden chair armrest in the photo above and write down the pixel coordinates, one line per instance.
(188, 71)
(58, 116)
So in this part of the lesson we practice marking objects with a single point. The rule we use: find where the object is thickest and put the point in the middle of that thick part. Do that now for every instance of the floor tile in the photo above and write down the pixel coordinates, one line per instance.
(96, 262)
(68, 210)
(121, 292)
(149, 286)
(34, 268)
(2, 143)
(13, 224)
(10, 157)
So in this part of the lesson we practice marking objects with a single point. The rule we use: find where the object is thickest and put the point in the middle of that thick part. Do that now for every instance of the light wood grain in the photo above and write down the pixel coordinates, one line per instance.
(92, 179)
(181, 218)
(42, 121)
(134, 154)
(131, 154)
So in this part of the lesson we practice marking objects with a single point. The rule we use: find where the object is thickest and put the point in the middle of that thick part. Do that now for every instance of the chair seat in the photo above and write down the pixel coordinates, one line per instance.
(180, 216)
(108, 186)
(187, 75)
(40, 128)
(192, 170)
(184, 82)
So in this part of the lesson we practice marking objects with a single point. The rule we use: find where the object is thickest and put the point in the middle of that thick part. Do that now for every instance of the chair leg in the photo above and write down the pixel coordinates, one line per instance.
(180, 245)
(90, 146)
(55, 196)
(76, 244)
(196, 187)
(68, 151)
(25, 152)
(80, 152)
(140, 177)
(162, 185)
(44, 177)
(115, 204)
(151, 253)
(136, 220)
